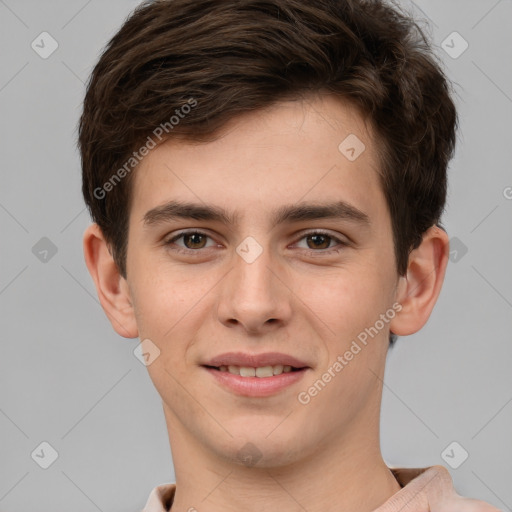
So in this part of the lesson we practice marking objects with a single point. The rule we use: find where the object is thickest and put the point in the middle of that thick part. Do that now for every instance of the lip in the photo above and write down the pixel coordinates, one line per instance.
(255, 386)
(255, 360)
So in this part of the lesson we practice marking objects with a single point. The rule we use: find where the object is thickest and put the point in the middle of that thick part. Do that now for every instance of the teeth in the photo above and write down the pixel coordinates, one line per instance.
(246, 371)
(262, 371)
(278, 369)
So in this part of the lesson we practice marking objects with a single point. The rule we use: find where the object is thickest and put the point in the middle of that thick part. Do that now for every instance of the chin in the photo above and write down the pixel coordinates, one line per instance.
(258, 449)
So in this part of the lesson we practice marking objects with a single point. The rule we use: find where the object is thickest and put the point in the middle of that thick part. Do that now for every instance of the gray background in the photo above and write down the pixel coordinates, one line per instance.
(68, 379)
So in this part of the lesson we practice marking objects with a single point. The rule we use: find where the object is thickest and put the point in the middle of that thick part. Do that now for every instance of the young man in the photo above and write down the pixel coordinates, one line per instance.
(266, 179)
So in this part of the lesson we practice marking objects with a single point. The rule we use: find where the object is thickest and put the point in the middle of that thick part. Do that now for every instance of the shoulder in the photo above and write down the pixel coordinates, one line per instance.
(160, 498)
(430, 488)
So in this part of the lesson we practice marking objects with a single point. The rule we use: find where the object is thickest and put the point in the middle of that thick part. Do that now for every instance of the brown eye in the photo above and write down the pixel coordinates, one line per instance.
(194, 240)
(191, 241)
(319, 241)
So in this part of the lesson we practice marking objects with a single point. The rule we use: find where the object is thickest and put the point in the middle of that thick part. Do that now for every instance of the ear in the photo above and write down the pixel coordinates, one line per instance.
(112, 288)
(419, 289)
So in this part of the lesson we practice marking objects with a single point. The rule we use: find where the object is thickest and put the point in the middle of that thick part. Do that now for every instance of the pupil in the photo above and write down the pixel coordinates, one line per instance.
(194, 237)
(316, 238)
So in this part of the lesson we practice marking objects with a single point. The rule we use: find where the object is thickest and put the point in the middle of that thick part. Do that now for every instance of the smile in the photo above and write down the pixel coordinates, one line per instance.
(261, 371)
(256, 382)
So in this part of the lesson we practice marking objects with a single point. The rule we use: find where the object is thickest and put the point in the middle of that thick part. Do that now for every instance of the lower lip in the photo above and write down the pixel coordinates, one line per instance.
(256, 386)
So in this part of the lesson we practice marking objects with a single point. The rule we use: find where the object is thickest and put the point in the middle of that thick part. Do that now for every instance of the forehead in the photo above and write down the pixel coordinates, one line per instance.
(312, 150)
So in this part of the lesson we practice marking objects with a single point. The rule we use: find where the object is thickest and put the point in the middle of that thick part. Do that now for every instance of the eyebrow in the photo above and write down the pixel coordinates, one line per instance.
(175, 210)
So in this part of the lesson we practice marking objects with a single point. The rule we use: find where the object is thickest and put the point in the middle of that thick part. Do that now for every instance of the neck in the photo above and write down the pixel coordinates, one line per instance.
(343, 474)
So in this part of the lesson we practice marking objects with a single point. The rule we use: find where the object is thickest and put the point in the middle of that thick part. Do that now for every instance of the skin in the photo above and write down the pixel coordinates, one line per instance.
(296, 298)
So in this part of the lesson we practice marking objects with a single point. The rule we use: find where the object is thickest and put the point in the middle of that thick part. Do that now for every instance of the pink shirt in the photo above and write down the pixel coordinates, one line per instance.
(421, 488)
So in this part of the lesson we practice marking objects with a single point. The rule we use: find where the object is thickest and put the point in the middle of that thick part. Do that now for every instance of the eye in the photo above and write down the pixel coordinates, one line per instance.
(319, 241)
(192, 240)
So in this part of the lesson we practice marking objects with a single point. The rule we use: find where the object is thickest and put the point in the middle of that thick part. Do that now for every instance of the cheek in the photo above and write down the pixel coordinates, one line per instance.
(350, 303)
(346, 299)
(170, 306)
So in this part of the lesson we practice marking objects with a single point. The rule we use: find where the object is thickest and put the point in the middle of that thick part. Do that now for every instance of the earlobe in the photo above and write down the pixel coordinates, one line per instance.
(112, 288)
(419, 289)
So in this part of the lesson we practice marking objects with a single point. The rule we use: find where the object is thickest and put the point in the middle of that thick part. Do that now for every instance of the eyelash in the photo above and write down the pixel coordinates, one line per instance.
(331, 250)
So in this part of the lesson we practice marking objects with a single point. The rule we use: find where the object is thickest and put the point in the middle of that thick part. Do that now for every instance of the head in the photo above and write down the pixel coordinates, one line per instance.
(326, 106)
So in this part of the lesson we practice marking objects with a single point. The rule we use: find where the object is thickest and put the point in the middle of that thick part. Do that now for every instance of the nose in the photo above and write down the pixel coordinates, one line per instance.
(255, 295)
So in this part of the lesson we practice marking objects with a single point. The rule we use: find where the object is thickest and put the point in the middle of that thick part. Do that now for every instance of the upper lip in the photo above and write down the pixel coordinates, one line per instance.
(255, 360)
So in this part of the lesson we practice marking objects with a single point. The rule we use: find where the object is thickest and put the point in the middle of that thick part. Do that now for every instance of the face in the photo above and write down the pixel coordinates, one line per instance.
(268, 248)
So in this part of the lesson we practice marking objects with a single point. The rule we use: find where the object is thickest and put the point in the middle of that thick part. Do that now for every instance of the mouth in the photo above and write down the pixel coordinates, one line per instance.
(260, 371)
(259, 375)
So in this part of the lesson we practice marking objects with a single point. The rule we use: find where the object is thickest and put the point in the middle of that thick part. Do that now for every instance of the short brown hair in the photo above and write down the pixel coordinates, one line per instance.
(227, 57)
